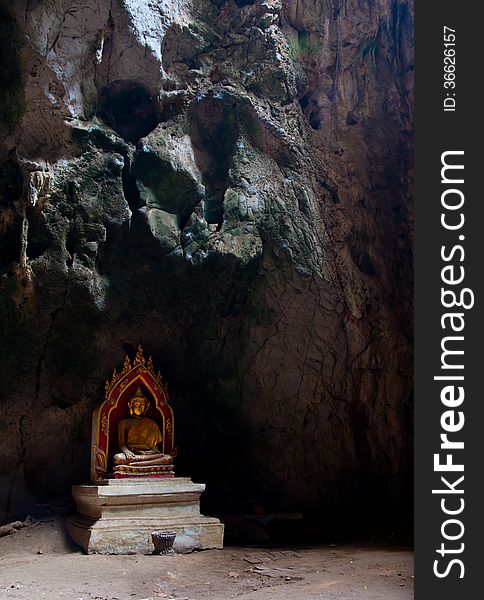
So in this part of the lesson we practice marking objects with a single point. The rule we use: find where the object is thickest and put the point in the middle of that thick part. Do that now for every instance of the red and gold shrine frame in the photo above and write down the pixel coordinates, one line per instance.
(115, 407)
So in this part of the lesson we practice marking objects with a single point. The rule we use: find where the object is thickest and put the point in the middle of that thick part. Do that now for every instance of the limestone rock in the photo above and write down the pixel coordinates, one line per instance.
(228, 182)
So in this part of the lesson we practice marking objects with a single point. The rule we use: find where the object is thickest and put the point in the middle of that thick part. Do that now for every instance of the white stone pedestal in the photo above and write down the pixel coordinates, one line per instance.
(118, 516)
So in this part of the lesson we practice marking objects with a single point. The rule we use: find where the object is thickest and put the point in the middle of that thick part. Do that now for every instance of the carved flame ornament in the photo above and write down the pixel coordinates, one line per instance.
(118, 390)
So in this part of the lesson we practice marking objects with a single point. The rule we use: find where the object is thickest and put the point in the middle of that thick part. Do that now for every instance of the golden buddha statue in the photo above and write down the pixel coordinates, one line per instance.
(139, 438)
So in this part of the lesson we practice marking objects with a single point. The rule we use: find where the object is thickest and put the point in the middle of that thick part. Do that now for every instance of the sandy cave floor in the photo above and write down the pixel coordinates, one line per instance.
(38, 562)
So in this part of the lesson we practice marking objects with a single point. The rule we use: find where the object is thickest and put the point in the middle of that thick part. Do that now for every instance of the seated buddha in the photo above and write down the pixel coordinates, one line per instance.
(139, 438)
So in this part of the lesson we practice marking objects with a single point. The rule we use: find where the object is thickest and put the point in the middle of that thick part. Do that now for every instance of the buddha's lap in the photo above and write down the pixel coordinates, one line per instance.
(122, 459)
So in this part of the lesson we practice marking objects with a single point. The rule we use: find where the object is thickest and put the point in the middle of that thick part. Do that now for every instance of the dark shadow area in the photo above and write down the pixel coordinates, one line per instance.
(314, 119)
(12, 103)
(39, 238)
(311, 111)
(130, 189)
(129, 108)
(241, 3)
(11, 188)
(275, 529)
(11, 182)
(214, 132)
(10, 239)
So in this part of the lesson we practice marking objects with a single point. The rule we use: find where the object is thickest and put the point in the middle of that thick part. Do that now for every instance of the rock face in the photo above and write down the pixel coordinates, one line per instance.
(228, 182)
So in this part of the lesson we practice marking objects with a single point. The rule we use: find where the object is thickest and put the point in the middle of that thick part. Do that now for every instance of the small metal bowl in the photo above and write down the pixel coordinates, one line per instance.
(163, 541)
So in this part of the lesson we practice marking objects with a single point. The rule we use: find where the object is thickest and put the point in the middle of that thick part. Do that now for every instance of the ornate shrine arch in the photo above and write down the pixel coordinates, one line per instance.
(119, 390)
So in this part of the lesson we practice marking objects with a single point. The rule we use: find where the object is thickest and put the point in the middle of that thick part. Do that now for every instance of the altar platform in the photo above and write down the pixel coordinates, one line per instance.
(117, 516)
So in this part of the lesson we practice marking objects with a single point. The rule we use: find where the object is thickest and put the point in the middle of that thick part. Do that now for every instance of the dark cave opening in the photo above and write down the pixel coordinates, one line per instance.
(38, 238)
(214, 132)
(242, 3)
(314, 119)
(11, 187)
(304, 101)
(11, 182)
(312, 114)
(130, 189)
(10, 239)
(129, 108)
(351, 119)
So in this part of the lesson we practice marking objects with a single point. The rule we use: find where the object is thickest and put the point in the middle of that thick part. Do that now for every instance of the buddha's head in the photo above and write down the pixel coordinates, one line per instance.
(138, 404)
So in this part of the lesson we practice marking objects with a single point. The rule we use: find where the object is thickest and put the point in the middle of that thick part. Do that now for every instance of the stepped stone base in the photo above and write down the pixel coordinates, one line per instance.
(118, 516)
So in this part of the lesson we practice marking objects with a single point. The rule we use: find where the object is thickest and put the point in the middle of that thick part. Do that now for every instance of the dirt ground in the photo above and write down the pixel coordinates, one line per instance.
(38, 562)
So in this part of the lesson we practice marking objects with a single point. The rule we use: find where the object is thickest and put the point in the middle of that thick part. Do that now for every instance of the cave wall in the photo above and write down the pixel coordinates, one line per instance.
(228, 183)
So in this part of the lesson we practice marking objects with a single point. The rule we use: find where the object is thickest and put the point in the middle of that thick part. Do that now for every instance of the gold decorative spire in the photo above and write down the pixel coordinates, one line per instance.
(110, 384)
(126, 366)
(141, 364)
(139, 358)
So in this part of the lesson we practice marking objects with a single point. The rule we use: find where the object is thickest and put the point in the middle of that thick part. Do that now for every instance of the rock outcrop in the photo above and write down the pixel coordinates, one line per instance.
(228, 182)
